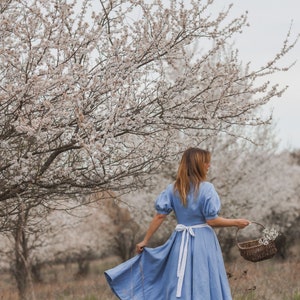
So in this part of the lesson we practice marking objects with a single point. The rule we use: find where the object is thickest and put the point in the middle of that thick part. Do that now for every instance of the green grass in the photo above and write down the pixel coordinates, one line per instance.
(296, 296)
(251, 296)
(91, 297)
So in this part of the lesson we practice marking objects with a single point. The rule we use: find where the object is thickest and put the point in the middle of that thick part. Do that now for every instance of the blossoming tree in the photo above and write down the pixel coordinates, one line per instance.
(85, 97)
(88, 103)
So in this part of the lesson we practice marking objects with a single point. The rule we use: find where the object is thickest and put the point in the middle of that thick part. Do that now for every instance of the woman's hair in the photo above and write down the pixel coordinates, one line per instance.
(191, 171)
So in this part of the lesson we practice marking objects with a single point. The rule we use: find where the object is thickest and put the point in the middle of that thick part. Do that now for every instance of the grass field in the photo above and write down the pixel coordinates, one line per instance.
(267, 280)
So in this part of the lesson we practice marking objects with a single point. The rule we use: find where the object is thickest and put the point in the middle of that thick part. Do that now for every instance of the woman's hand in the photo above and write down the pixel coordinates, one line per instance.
(154, 225)
(140, 247)
(242, 223)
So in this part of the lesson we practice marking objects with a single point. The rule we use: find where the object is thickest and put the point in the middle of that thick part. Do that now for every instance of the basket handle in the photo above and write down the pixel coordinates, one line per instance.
(236, 234)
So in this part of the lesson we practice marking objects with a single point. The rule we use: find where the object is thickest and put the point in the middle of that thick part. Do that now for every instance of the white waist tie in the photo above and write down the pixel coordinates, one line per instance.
(187, 231)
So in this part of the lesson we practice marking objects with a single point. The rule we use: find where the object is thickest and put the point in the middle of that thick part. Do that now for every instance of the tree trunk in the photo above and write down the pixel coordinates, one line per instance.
(21, 269)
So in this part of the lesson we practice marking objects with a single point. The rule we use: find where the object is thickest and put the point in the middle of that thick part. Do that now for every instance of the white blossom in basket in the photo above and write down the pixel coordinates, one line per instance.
(268, 235)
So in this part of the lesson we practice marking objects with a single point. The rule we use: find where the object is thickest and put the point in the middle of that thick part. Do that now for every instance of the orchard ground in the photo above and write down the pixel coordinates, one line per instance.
(274, 279)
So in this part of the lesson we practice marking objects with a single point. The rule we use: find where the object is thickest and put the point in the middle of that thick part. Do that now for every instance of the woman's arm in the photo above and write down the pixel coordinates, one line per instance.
(154, 225)
(224, 222)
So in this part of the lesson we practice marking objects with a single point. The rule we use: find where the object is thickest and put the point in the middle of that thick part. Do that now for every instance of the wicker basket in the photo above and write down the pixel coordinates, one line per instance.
(254, 251)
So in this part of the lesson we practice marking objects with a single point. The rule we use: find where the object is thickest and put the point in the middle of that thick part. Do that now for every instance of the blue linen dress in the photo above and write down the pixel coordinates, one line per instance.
(153, 274)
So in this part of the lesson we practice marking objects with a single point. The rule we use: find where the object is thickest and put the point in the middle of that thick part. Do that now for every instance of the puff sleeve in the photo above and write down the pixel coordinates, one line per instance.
(163, 203)
(212, 203)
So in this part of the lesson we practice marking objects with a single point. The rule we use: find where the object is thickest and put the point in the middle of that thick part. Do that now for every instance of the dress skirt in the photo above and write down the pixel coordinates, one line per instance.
(153, 274)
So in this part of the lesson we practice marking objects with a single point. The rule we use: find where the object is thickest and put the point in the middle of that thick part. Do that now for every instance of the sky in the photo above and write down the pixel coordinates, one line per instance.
(269, 23)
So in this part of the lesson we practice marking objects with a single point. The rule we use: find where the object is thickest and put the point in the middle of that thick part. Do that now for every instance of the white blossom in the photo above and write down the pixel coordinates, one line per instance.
(268, 236)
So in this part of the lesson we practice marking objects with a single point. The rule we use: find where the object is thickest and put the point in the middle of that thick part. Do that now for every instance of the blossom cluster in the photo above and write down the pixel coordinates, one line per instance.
(268, 235)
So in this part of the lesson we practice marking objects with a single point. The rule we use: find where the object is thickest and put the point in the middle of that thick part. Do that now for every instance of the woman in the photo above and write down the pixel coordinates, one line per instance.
(189, 266)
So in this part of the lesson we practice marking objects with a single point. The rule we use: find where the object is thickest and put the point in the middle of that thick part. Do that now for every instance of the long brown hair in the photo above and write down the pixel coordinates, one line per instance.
(191, 171)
